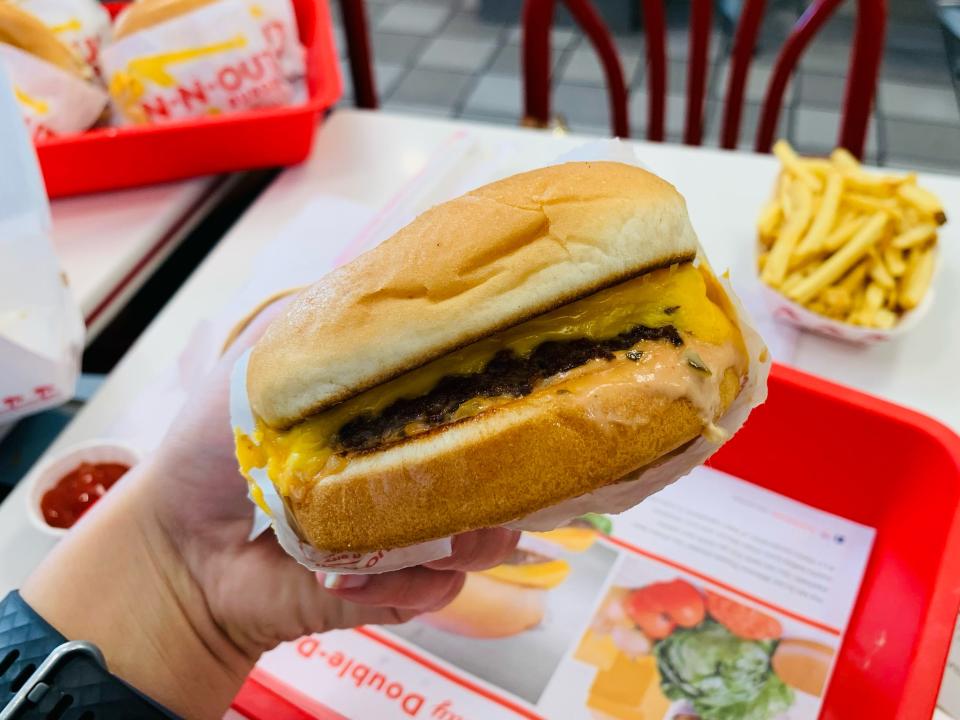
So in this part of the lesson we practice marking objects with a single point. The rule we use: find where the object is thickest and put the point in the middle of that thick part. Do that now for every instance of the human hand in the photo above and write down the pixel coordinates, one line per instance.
(185, 520)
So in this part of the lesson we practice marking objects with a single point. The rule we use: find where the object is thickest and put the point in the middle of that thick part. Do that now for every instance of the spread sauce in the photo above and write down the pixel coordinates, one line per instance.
(685, 332)
(77, 491)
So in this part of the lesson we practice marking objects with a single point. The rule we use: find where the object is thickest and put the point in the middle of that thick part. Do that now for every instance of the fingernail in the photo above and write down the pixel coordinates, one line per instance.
(337, 581)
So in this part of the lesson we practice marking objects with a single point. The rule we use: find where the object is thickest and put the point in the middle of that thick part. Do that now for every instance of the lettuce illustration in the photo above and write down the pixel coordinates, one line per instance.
(725, 677)
(601, 523)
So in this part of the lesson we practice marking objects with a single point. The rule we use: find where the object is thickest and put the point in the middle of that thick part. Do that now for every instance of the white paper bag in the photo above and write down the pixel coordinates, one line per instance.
(41, 330)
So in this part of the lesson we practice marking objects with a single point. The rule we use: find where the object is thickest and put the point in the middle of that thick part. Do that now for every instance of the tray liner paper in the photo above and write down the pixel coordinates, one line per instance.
(607, 500)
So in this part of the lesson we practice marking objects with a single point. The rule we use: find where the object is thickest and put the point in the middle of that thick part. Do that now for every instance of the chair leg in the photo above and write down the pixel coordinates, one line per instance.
(358, 48)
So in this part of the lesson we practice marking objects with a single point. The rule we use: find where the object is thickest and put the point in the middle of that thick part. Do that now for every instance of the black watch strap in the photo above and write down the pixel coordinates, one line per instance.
(45, 677)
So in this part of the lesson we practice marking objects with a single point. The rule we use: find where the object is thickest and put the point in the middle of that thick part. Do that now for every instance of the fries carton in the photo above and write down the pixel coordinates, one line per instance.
(847, 253)
(83, 25)
(785, 310)
(216, 59)
(53, 102)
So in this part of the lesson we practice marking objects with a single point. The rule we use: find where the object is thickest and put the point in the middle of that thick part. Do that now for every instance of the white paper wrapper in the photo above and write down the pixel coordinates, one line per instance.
(211, 61)
(83, 25)
(611, 499)
(53, 102)
(278, 23)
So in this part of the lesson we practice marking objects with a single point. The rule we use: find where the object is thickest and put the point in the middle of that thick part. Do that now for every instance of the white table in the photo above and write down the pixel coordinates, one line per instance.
(367, 157)
(110, 243)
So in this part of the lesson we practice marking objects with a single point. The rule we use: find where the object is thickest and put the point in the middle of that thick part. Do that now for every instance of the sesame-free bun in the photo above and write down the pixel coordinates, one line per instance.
(143, 14)
(28, 33)
(461, 271)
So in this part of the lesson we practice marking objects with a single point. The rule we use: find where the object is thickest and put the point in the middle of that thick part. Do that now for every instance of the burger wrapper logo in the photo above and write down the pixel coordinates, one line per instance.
(611, 499)
(223, 58)
(53, 102)
(83, 25)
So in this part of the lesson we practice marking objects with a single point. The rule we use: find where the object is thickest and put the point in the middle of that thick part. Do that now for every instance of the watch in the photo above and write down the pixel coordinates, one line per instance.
(43, 676)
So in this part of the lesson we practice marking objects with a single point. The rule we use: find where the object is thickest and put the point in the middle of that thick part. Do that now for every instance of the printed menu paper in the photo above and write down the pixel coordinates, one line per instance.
(714, 599)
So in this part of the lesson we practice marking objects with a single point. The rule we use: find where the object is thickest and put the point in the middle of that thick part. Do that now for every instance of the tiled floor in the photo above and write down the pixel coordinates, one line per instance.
(436, 57)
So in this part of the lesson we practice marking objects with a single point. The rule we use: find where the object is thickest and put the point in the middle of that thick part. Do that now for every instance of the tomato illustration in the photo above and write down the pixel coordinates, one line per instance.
(659, 607)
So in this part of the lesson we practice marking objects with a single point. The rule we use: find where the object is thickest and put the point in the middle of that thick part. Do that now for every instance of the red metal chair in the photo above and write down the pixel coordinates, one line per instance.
(354, 16)
(858, 99)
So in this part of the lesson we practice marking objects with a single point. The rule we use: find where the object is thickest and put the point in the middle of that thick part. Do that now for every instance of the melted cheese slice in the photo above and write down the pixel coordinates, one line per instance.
(684, 296)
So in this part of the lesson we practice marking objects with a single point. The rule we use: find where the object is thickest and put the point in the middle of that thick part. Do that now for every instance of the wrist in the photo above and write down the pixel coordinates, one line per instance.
(118, 581)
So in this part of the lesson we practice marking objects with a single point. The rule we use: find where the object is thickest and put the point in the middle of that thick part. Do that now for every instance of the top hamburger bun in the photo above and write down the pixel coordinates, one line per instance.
(26, 32)
(493, 258)
(142, 14)
(568, 250)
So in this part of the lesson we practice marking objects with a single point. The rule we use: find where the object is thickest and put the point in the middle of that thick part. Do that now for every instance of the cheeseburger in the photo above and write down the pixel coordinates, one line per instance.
(532, 341)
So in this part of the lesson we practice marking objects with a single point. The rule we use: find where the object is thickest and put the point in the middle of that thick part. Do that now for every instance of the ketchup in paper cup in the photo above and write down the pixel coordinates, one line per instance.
(62, 488)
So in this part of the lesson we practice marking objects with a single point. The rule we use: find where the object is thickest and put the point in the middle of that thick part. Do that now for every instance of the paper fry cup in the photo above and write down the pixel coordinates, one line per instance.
(787, 311)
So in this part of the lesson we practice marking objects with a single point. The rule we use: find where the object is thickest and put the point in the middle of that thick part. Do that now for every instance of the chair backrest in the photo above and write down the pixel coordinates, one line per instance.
(354, 16)
(858, 98)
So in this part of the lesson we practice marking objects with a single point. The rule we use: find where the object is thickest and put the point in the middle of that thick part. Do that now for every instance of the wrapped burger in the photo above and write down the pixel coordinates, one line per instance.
(82, 25)
(176, 59)
(55, 88)
(545, 346)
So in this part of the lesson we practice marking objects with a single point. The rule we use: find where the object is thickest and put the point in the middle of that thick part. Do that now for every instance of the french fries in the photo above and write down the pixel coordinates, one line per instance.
(854, 246)
(800, 202)
(791, 161)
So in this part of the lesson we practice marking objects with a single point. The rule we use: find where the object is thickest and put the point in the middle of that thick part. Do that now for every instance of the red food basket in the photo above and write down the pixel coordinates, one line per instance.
(113, 158)
(873, 462)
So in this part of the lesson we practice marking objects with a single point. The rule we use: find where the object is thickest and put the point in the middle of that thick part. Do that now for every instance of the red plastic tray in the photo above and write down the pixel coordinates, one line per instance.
(876, 463)
(113, 158)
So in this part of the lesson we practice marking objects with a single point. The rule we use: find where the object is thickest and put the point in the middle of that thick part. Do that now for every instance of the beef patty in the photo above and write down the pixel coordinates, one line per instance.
(507, 374)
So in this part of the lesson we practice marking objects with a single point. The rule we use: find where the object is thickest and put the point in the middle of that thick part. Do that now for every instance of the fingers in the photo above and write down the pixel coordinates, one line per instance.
(479, 550)
(418, 588)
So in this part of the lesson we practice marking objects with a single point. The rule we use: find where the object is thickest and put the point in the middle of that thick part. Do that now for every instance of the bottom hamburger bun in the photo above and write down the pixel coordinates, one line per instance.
(488, 608)
(803, 664)
(26, 32)
(565, 440)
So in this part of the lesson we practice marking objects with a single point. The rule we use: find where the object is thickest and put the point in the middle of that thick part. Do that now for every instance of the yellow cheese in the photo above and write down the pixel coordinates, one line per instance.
(629, 690)
(543, 575)
(597, 650)
(682, 295)
(249, 456)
